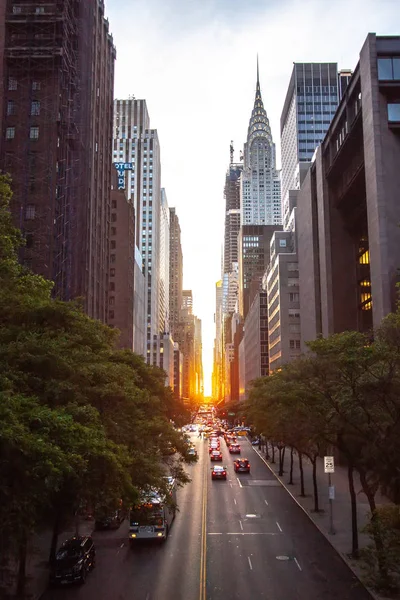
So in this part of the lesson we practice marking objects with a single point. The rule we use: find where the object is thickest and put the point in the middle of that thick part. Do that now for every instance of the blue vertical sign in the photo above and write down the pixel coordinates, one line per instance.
(121, 168)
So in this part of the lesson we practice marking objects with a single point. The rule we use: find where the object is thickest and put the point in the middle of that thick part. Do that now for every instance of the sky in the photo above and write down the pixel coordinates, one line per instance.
(194, 62)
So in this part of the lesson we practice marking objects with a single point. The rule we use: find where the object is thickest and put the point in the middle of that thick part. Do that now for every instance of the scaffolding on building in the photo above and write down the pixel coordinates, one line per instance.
(42, 104)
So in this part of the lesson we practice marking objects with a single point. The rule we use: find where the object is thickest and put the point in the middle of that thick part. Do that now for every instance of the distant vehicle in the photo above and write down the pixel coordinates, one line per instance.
(214, 447)
(218, 472)
(234, 449)
(216, 455)
(192, 452)
(153, 516)
(75, 558)
(241, 465)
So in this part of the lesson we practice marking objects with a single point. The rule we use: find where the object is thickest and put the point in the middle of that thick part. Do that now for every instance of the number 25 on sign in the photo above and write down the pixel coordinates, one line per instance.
(329, 464)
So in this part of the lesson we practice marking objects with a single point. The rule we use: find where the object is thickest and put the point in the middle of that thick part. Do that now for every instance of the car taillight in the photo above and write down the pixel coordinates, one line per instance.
(223, 473)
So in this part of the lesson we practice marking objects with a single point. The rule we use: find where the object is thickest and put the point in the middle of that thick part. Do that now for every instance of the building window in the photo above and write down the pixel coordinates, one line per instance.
(112, 286)
(113, 217)
(30, 212)
(112, 258)
(293, 297)
(110, 314)
(16, 10)
(292, 344)
(113, 244)
(12, 84)
(298, 344)
(10, 108)
(282, 243)
(112, 272)
(10, 133)
(394, 112)
(29, 240)
(364, 258)
(35, 86)
(34, 133)
(35, 108)
(113, 231)
(389, 68)
(113, 204)
(111, 300)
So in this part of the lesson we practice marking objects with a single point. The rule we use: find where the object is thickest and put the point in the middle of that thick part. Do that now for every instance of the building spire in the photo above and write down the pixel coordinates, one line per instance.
(258, 89)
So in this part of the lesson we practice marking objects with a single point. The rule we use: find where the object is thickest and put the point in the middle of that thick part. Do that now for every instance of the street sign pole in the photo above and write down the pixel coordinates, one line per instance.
(329, 468)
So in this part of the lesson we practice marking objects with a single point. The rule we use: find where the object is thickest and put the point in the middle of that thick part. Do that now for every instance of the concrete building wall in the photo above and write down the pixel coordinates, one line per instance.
(350, 256)
(121, 277)
(255, 339)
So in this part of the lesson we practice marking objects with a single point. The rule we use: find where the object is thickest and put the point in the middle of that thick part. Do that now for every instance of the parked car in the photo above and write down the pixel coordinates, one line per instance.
(109, 520)
(73, 561)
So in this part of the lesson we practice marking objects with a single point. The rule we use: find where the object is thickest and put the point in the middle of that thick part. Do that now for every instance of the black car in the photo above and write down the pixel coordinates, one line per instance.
(75, 558)
(242, 465)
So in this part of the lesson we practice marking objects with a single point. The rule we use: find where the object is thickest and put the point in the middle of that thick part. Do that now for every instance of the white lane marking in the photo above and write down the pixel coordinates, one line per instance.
(241, 526)
(239, 482)
(122, 545)
(297, 563)
(235, 500)
(266, 502)
(231, 485)
(242, 533)
(252, 533)
(279, 527)
(250, 565)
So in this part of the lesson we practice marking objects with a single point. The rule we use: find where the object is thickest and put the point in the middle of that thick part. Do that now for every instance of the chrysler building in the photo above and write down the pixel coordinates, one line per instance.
(261, 185)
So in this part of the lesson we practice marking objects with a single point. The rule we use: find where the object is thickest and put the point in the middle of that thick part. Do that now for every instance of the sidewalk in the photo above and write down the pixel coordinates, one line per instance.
(341, 539)
(37, 567)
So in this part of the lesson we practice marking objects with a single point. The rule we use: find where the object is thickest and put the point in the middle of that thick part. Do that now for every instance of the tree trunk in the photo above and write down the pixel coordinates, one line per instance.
(266, 450)
(21, 579)
(302, 492)
(54, 538)
(281, 460)
(315, 483)
(291, 466)
(380, 550)
(273, 452)
(354, 523)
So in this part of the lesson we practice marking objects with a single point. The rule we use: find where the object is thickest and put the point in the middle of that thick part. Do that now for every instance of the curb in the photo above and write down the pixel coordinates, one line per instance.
(344, 559)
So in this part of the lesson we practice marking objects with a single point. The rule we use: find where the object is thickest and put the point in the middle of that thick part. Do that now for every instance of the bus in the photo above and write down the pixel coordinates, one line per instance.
(153, 516)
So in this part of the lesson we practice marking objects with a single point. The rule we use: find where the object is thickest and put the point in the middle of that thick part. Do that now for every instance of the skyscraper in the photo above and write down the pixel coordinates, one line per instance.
(56, 134)
(261, 186)
(254, 255)
(136, 143)
(232, 213)
(164, 263)
(311, 102)
(175, 273)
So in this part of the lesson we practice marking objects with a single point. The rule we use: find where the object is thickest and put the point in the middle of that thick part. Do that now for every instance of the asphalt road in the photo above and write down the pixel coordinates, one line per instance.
(244, 538)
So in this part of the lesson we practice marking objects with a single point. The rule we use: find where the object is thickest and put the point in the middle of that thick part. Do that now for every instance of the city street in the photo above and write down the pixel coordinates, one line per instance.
(243, 538)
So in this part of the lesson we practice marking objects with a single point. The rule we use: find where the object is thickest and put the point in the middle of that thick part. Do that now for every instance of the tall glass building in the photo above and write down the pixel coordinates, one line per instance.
(261, 185)
(311, 102)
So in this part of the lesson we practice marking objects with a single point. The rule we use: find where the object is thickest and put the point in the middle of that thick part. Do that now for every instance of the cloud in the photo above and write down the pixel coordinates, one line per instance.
(195, 64)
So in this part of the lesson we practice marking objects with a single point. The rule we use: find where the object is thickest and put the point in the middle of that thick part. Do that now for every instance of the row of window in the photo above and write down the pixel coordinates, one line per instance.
(35, 108)
(389, 68)
(13, 85)
(33, 133)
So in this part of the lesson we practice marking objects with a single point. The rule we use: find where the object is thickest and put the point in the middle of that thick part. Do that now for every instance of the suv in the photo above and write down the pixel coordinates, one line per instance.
(241, 465)
(75, 558)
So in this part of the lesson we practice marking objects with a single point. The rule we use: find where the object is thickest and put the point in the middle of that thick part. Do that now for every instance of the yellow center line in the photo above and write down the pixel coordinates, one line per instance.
(203, 548)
